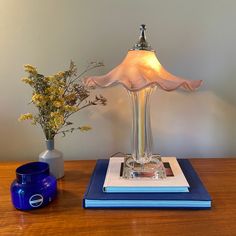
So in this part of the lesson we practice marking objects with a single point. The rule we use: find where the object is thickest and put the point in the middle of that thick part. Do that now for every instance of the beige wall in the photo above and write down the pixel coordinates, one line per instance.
(193, 39)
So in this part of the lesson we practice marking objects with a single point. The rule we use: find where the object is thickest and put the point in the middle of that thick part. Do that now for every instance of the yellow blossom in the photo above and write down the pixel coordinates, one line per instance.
(62, 83)
(60, 74)
(61, 91)
(52, 97)
(50, 90)
(58, 121)
(71, 108)
(30, 69)
(70, 97)
(57, 104)
(53, 90)
(39, 99)
(27, 116)
(55, 80)
(54, 114)
(51, 79)
(85, 128)
(27, 80)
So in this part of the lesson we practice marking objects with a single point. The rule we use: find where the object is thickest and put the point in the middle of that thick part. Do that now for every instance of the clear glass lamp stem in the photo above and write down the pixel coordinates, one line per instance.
(142, 163)
(141, 127)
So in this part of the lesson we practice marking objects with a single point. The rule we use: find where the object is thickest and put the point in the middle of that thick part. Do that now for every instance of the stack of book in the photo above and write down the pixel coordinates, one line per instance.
(181, 189)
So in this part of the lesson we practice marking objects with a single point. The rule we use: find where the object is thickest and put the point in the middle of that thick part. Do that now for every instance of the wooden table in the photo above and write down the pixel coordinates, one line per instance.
(65, 215)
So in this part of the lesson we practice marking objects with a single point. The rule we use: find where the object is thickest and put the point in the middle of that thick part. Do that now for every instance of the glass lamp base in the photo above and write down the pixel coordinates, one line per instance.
(153, 169)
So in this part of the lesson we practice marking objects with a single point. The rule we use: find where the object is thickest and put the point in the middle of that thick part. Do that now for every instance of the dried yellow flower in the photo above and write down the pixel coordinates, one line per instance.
(54, 114)
(30, 69)
(71, 108)
(27, 116)
(70, 97)
(27, 80)
(85, 128)
(57, 104)
(56, 98)
(39, 99)
(58, 121)
(60, 75)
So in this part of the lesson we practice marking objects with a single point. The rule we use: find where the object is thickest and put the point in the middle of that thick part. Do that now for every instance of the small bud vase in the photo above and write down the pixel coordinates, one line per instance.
(54, 158)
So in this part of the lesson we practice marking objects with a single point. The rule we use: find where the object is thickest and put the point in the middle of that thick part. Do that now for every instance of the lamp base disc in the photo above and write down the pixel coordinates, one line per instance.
(153, 169)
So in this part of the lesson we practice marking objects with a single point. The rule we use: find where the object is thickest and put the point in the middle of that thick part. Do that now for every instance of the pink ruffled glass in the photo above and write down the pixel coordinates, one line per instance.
(139, 70)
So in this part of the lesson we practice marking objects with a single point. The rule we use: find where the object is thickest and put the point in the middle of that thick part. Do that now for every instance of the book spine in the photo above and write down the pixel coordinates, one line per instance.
(89, 184)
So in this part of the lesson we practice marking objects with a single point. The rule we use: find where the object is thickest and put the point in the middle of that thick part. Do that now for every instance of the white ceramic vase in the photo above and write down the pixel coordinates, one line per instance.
(54, 158)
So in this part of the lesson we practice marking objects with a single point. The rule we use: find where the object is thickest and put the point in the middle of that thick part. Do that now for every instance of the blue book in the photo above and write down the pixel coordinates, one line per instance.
(196, 198)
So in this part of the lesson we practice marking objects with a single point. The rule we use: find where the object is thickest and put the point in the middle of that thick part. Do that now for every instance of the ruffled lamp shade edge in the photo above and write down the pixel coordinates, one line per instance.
(97, 81)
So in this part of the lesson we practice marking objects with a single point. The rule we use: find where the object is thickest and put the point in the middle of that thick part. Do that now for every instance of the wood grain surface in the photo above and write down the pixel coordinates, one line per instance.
(65, 215)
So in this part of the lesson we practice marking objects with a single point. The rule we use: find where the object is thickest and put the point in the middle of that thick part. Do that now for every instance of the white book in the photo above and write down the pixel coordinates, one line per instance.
(114, 183)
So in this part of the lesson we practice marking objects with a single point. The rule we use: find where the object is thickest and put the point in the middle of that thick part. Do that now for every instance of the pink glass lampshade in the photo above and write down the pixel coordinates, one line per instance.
(140, 69)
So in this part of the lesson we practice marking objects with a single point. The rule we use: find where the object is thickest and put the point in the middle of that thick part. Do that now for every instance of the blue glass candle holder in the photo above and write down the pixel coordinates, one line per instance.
(33, 187)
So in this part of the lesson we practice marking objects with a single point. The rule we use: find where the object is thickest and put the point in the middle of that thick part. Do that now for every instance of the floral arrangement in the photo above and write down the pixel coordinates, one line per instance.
(57, 97)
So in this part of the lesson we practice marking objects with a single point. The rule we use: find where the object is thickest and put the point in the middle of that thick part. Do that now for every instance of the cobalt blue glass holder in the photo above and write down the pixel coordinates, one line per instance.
(33, 187)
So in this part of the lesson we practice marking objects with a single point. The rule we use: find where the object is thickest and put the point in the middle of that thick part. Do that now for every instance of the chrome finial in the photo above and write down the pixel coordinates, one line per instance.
(142, 44)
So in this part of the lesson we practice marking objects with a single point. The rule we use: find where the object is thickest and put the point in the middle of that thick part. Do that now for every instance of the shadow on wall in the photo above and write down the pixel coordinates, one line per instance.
(193, 125)
(118, 117)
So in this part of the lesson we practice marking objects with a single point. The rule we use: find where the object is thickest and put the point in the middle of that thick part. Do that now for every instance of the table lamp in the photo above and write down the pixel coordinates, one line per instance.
(141, 73)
